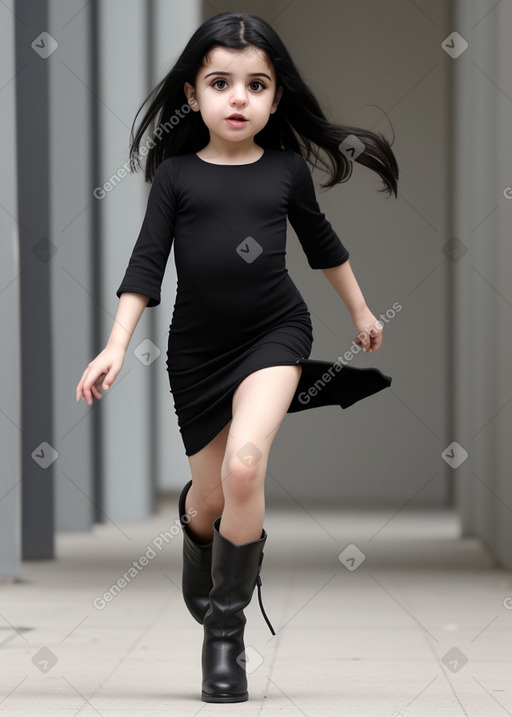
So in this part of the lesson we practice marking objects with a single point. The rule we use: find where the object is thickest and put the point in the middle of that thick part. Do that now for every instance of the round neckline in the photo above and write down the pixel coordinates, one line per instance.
(247, 164)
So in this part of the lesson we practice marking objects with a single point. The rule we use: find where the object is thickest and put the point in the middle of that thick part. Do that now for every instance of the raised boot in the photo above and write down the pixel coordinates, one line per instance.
(197, 560)
(235, 573)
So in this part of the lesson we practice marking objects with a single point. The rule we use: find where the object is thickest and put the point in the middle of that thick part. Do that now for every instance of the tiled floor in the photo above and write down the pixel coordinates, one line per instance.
(421, 627)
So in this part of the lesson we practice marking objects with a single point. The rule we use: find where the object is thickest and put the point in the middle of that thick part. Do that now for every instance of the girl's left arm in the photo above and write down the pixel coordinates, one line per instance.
(369, 328)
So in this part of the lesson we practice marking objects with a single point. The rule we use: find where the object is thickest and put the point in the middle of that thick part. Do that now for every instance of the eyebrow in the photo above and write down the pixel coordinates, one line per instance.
(251, 74)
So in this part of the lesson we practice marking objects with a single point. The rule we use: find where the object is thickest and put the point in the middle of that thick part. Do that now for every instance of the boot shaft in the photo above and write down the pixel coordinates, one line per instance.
(235, 572)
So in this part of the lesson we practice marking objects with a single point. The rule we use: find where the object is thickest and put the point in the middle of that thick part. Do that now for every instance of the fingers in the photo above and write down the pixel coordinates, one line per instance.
(89, 384)
(376, 337)
(109, 379)
(79, 388)
(375, 342)
(370, 339)
(95, 388)
(364, 339)
(100, 374)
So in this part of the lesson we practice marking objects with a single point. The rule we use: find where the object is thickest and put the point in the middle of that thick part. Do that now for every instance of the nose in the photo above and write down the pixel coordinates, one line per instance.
(238, 95)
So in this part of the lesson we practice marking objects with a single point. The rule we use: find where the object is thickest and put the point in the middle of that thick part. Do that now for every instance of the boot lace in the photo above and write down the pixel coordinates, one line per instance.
(258, 584)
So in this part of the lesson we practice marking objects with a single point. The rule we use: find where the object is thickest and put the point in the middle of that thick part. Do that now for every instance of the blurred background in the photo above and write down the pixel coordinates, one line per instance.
(73, 75)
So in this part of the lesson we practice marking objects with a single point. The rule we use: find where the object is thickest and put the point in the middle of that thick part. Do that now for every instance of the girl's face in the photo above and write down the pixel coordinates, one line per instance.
(234, 82)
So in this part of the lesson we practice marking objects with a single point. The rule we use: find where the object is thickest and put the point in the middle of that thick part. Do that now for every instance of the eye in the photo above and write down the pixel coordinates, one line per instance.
(216, 82)
(258, 84)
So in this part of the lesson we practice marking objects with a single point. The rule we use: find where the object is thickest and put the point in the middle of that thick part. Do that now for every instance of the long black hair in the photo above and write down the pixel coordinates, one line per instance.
(299, 123)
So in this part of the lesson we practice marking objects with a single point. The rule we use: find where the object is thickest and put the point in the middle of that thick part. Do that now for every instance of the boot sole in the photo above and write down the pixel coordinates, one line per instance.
(224, 698)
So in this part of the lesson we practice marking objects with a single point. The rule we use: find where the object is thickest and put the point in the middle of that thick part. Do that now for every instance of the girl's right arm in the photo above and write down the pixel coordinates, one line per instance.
(105, 367)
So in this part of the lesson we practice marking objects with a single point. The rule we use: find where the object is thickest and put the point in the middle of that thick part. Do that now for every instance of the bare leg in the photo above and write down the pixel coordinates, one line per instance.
(205, 494)
(260, 404)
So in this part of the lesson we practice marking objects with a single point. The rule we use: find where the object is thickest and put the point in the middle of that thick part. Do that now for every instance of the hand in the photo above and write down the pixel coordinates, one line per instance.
(104, 368)
(370, 331)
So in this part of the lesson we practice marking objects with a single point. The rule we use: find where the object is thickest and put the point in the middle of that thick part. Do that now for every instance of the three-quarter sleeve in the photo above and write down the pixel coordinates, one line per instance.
(151, 251)
(321, 244)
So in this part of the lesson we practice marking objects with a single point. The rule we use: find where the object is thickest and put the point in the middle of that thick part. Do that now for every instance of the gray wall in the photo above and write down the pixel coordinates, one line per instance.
(447, 349)
(362, 66)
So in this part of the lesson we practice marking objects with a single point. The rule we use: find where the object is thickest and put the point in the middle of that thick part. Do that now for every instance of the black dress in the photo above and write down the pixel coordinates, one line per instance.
(237, 310)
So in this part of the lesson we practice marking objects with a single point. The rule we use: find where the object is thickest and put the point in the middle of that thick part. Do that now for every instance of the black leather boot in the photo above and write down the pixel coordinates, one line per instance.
(197, 561)
(235, 573)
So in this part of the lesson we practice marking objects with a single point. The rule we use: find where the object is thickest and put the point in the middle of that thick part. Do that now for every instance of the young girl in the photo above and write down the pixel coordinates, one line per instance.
(233, 123)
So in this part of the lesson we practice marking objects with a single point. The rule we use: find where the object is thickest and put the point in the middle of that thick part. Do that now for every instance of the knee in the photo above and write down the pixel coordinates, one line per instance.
(243, 476)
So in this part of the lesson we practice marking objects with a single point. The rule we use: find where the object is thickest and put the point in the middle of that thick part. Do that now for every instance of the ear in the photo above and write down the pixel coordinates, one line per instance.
(277, 97)
(190, 92)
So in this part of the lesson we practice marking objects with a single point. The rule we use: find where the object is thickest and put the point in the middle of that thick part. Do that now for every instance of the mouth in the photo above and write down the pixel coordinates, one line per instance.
(237, 120)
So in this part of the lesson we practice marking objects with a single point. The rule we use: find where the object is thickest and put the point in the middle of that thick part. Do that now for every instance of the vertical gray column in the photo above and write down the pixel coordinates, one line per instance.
(491, 286)
(126, 407)
(36, 252)
(483, 219)
(73, 296)
(460, 308)
(10, 379)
